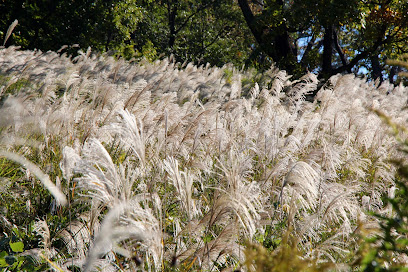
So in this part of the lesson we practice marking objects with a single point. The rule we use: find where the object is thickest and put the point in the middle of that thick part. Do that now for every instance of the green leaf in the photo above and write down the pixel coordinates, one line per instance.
(3, 262)
(17, 246)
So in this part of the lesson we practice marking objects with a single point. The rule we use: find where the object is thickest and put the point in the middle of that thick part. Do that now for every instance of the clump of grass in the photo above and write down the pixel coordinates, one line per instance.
(171, 167)
(384, 248)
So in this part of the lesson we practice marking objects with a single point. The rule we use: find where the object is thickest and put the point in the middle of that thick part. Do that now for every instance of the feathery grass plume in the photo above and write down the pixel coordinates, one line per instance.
(338, 209)
(338, 204)
(386, 247)
(302, 184)
(225, 143)
(132, 224)
(76, 239)
(69, 159)
(8, 104)
(238, 207)
(101, 179)
(222, 250)
(13, 118)
(302, 87)
(44, 178)
(183, 182)
(78, 235)
(132, 134)
(47, 252)
(243, 195)
(42, 230)
(9, 31)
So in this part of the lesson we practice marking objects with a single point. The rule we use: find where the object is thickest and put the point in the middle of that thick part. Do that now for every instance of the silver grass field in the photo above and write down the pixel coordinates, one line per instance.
(172, 166)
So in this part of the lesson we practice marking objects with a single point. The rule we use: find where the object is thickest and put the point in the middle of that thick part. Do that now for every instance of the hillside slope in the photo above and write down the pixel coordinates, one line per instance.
(162, 164)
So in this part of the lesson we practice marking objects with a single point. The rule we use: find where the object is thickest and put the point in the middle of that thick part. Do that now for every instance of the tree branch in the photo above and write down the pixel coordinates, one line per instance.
(338, 49)
(199, 9)
(357, 58)
(171, 10)
(274, 41)
(212, 42)
(364, 54)
(247, 12)
(255, 29)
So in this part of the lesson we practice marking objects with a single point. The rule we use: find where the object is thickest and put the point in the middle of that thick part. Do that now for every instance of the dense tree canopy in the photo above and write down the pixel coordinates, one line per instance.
(322, 36)
(201, 31)
(329, 36)
(50, 24)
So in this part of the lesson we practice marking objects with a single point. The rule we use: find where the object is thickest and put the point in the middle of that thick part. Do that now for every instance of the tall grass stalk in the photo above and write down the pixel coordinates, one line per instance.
(34, 169)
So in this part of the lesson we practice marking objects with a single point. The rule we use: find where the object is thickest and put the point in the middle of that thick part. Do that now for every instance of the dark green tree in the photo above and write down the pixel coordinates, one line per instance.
(50, 24)
(201, 31)
(321, 36)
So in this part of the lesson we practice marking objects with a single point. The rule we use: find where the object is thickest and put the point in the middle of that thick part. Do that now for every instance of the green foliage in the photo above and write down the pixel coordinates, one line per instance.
(48, 25)
(383, 250)
(17, 247)
(25, 201)
(198, 31)
(386, 248)
(286, 257)
(12, 87)
(148, 51)
(215, 32)
(12, 257)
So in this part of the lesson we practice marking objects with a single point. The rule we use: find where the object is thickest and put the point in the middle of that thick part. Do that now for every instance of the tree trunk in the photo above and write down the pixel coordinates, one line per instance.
(376, 68)
(172, 11)
(327, 52)
(394, 71)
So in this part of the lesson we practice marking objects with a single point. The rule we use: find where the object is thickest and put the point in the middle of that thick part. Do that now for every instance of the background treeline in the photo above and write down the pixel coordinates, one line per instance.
(321, 36)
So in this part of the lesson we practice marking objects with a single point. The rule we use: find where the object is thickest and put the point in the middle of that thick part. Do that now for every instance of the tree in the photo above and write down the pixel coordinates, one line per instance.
(200, 31)
(328, 36)
(50, 24)
(383, 35)
(321, 36)
(271, 32)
